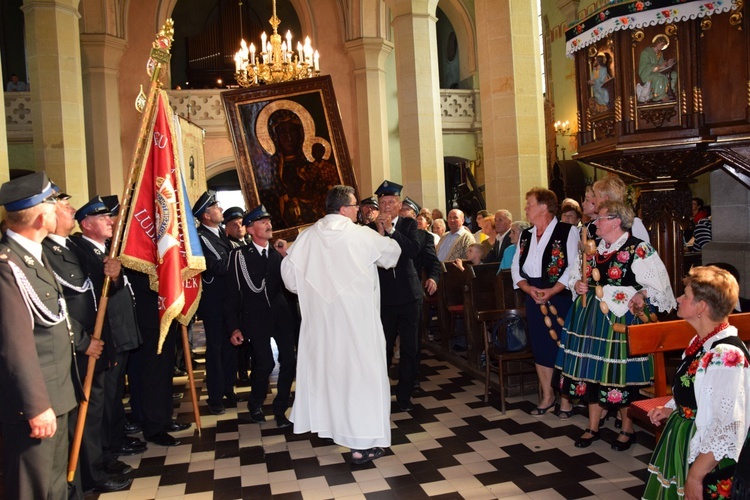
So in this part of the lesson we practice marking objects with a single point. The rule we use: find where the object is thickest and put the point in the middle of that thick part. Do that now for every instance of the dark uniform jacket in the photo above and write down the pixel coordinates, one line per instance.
(81, 305)
(120, 332)
(216, 251)
(246, 310)
(426, 263)
(401, 284)
(35, 360)
(497, 250)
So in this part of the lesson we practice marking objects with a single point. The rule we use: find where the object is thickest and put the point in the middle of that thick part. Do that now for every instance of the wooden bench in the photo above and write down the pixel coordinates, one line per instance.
(451, 303)
(657, 339)
(479, 295)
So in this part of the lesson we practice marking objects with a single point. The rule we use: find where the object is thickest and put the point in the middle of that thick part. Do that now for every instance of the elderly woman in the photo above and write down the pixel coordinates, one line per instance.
(515, 232)
(541, 267)
(612, 188)
(625, 274)
(710, 402)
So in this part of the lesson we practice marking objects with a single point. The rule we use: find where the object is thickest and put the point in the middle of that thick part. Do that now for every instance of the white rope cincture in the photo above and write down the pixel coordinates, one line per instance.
(34, 304)
(88, 286)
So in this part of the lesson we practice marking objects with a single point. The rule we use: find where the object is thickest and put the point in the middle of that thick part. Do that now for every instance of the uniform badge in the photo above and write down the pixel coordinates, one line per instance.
(56, 248)
(29, 261)
(97, 251)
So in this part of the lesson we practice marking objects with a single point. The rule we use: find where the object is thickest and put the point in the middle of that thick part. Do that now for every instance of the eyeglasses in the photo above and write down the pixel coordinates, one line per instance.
(51, 199)
(355, 205)
(605, 217)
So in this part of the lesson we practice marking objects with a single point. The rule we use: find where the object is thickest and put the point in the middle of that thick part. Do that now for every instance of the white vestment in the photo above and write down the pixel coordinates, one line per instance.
(342, 388)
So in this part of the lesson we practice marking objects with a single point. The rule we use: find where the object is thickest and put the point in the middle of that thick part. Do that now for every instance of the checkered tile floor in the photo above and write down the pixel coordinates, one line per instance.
(451, 446)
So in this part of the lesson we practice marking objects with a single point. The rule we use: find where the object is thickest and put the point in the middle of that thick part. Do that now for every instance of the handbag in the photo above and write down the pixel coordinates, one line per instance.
(515, 339)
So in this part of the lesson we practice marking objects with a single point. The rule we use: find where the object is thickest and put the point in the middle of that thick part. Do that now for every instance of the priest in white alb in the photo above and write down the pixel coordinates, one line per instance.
(342, 390)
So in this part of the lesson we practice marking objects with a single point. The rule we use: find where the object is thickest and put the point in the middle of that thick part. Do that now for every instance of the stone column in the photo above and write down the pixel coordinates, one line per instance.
(4, 166)
(511, 100)
(420, 126)
(101, 56)
(53, 55)
(730, 226)
(369, 55)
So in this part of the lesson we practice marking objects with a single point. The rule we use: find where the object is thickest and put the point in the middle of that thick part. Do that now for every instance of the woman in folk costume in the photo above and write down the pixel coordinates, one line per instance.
(626, 273)
(707, 415)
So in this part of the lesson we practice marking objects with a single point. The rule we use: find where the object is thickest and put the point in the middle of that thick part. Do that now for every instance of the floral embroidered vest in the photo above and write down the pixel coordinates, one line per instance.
(615, 270)
(555, 258)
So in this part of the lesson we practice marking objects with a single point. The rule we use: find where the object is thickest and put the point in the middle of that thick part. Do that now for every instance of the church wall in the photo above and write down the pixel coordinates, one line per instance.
(394, 144)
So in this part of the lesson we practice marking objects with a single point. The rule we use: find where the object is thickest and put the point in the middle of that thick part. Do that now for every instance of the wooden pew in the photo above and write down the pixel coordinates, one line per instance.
(656, 339)
(479, 295)
(451, 304)
(428, 303)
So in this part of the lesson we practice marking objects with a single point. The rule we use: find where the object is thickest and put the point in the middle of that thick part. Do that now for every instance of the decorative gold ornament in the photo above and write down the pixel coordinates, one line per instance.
(706, 24)
(735, 19)
(276, 61)
(631, 105)
(637, 37)
(618, 109)
(670, 29)
(683, 102)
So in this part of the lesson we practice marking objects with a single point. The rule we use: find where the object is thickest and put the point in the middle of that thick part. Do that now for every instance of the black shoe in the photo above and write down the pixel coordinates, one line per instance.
(117, 468)
(132, 427)
(624, 445)
(405, 405)
(176, 396)
(134, 442)
(582, 442)
(163, 439)
(256, 415)
(234, 398)
(113, 484)
(216, 409)
(177, 372)
(176, 426)
(282, 422)
(127, 450)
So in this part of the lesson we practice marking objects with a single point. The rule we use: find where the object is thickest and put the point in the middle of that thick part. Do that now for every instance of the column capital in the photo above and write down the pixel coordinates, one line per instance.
(69, 5)
(369, 52)
(100, 50)
(413, 7)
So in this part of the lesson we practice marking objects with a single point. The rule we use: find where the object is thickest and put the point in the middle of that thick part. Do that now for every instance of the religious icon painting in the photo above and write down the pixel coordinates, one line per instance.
(290, 149)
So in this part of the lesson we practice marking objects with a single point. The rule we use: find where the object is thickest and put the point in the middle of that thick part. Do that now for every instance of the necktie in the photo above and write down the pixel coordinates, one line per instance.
(263, 254)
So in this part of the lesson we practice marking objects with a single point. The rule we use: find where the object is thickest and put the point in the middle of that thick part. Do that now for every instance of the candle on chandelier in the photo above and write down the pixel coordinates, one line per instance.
(299, 52)
(308, 50)
(252, 54)
(289, 45)
(316, 61)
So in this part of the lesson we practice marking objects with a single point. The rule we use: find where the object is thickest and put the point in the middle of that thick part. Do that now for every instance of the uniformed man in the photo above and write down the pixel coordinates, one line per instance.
(120, 330)
(400, 290)
(237, 235)
(233, 227)
(221, 355)
(257, 310)
(36, 352)
(368, 210)
(81, 299)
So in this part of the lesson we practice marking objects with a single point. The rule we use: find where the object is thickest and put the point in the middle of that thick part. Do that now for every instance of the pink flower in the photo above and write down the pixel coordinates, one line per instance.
(614, 396)
(602, 16)
(732, 358)
(639, 6)
(705, 360)
(623, 256)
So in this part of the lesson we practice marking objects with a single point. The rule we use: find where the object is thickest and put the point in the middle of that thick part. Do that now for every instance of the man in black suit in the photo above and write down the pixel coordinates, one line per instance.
(237, 235)
(120, 331)
(426, 263)
(221, 356)
(36, 351)
(93, 472)
(257, 310)
(400, 290)
(503, 221)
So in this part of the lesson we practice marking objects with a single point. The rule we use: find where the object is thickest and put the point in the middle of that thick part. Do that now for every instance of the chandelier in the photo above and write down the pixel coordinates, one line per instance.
(276, 62)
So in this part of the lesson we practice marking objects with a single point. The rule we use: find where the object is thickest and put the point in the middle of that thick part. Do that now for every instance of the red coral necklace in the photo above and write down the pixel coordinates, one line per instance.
(698, 342)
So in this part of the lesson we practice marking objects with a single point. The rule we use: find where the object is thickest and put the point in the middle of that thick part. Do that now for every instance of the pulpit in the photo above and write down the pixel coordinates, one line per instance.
(663, 95)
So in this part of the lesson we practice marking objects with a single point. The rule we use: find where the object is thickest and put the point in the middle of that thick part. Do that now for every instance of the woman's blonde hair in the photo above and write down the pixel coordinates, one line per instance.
(612, 187)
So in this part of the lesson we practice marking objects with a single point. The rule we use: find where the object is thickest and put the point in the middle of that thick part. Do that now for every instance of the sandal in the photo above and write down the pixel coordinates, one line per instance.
(565, 414)
(538, 412)
(367, 455)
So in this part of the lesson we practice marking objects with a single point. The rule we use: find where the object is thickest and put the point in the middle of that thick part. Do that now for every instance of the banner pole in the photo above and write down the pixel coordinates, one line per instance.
(159, 57)
(191, 377)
